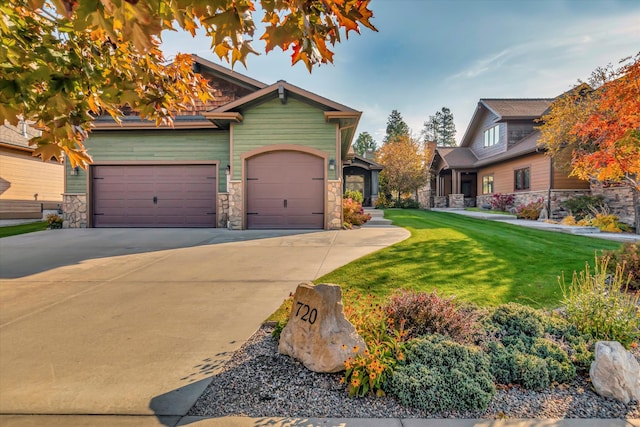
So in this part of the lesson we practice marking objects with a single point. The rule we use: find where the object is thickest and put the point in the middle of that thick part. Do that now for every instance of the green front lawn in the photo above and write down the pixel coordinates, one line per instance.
(13, 230)
(480, 261)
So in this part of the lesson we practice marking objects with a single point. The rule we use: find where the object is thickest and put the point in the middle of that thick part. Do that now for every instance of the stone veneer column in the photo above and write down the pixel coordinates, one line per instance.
(440, 201)
(334, 205)
(236, 205)
(222, 210)
(74, 210)
(425, 198)
(456, 201)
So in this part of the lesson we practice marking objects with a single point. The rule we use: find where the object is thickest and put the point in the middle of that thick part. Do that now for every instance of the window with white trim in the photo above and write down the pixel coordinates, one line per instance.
(492, 136)
(487, 184)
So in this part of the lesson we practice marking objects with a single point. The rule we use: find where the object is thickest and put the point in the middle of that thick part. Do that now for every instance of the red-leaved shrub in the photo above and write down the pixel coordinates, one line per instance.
(353, 214)
(501, 202)
(424, 313)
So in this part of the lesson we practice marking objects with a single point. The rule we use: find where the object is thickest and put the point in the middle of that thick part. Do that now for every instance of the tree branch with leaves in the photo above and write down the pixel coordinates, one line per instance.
(64, 62)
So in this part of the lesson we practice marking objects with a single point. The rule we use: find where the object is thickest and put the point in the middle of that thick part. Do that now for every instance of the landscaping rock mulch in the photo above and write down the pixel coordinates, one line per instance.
(259, 382)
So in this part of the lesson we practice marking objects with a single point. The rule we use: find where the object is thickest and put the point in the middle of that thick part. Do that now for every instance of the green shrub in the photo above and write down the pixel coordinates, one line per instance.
(530, 211)
(579, 346)
(532, 348)
(600, 305)
(408, 204)
(353, 195)
(531, 371)
(425, 313)
(508, 365)
(629, 256)
(516, 319)
(442, 375)
(384, 201)
(559, 365)
(580, 206)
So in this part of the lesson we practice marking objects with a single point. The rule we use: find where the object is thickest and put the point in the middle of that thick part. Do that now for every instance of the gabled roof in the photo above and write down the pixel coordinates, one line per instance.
(281, 89)
(513, 109)
(364, 163)
(347, 118)
(458, 157)
(505, 109)
(225, 73)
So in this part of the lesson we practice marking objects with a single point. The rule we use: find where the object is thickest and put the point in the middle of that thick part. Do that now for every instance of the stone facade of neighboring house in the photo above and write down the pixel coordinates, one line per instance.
(257, 157)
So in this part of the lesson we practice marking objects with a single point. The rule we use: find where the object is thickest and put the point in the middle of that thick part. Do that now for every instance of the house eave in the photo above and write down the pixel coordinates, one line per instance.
(223, 119)
(148, 124)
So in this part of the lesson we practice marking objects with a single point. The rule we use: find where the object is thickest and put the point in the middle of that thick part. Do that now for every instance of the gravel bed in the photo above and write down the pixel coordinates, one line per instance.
(259, 382)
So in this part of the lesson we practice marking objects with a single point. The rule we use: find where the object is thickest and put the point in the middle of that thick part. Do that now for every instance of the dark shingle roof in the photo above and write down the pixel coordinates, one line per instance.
(461, 157)
(518, 108)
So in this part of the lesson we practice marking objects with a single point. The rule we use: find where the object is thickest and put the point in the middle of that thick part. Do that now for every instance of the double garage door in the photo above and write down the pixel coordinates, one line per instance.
(154, 195)
(284, 190)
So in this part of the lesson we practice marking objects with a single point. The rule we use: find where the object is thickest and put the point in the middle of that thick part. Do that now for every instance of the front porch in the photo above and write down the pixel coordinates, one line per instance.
(450, 188)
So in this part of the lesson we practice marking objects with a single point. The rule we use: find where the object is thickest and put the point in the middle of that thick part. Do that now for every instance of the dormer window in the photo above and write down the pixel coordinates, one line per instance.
(492, 136)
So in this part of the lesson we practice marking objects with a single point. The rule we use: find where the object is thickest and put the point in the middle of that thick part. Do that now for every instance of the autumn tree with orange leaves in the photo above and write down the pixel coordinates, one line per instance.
(64, 62)
(596, 130)
(405, 165)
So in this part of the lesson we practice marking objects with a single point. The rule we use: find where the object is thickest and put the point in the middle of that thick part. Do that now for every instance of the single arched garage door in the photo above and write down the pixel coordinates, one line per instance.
(154, 195)
(285, 189)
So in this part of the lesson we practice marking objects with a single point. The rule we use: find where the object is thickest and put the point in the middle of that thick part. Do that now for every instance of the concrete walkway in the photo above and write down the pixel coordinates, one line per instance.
(135, 322)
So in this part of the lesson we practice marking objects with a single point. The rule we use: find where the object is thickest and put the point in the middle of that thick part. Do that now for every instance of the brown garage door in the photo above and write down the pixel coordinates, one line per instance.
(285, 189)
(154, 196)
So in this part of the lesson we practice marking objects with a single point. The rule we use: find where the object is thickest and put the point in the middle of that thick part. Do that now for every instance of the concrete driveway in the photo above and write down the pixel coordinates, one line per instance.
(136, 321)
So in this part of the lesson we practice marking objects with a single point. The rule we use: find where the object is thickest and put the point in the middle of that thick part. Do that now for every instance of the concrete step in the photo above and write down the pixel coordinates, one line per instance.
(377, 218)
(375, 213)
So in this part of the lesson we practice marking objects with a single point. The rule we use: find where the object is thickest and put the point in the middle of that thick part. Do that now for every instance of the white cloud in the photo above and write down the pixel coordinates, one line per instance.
(482, 66)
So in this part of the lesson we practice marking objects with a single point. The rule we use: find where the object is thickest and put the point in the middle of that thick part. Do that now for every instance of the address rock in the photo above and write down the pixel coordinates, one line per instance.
(318, 334)
(615, 373)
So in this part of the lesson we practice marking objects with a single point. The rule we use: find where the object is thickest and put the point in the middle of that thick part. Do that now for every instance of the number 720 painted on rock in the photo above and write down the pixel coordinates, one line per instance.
(308, 314)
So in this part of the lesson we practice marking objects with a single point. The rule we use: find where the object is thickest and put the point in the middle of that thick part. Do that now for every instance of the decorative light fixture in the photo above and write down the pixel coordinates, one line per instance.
(332, 164)
(75, 171)
(228, 170)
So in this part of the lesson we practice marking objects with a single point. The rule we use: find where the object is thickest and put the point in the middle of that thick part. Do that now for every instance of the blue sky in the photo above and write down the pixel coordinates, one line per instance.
(429, 54)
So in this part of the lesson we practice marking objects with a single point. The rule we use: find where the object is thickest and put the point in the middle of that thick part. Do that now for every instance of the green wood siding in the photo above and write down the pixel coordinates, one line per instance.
(161, 145)
(274, 123)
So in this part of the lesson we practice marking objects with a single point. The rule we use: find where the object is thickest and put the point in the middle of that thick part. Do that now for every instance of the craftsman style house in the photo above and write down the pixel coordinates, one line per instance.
(499, 153)
(258, 156)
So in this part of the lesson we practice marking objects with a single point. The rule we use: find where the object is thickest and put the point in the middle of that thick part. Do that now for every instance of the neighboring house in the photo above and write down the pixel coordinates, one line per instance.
(361, 174)
(27, 184)
(258, 156)
(499, 153)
